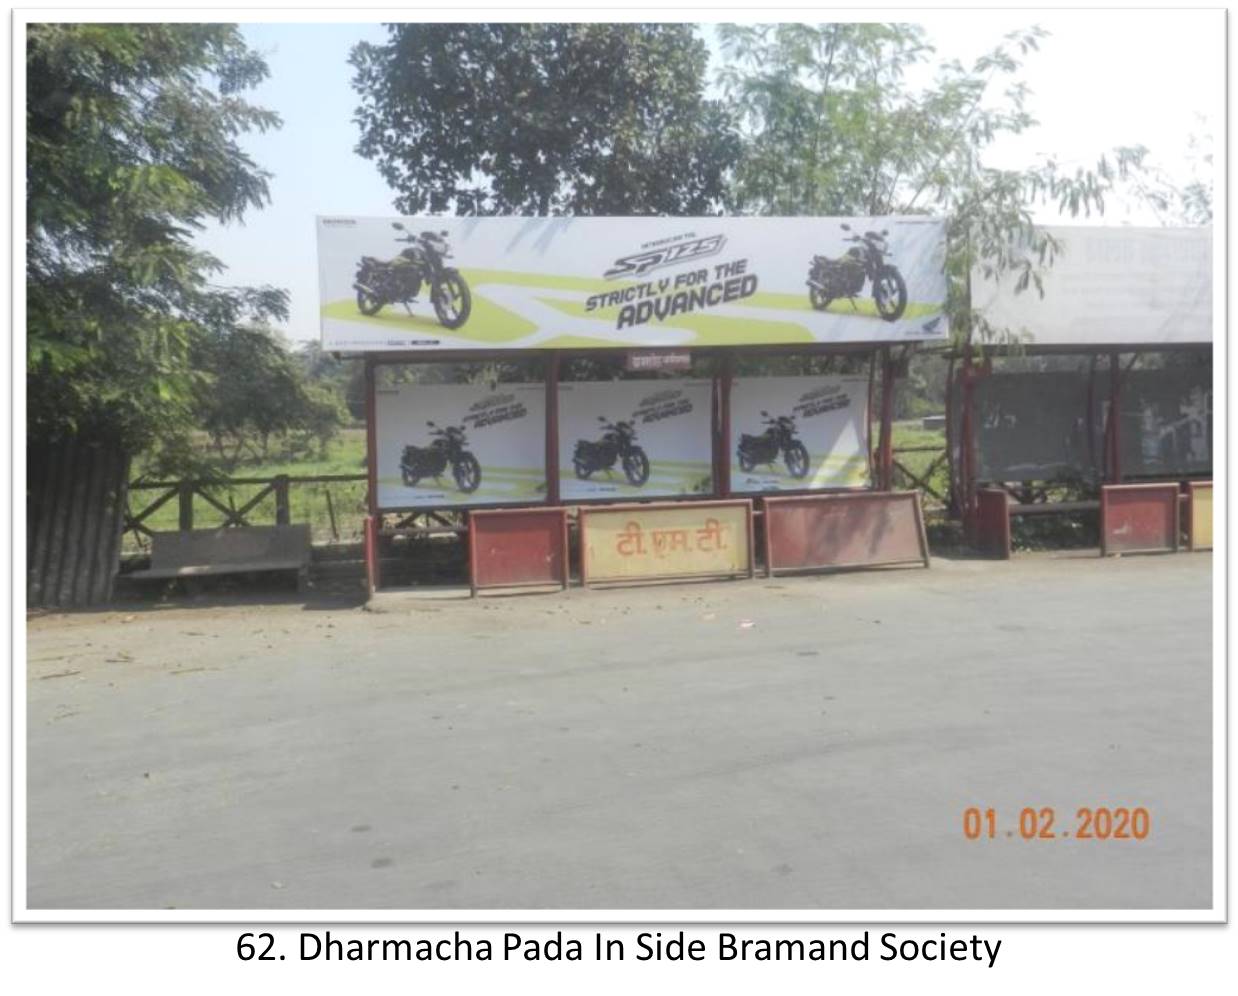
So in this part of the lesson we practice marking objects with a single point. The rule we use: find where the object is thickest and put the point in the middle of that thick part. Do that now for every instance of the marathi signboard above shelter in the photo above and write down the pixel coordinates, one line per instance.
(1111, 286)
(425, 284)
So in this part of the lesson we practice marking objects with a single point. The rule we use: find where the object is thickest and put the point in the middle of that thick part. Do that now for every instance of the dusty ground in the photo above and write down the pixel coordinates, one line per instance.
(798, 743)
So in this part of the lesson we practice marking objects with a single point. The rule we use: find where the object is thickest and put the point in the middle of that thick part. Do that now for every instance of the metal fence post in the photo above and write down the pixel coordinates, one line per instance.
(185, 490)
(283, 515)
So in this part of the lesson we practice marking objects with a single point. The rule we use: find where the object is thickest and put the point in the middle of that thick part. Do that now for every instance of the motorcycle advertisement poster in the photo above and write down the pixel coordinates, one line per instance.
(634, 439)
(441, 445)
(798, 433)
(557, 283)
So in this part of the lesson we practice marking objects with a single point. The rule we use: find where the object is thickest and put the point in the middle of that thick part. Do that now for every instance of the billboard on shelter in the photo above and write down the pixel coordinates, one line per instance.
(635, 439)
(440, 445)
(799, 433)
(546, 283)
(1110, 286)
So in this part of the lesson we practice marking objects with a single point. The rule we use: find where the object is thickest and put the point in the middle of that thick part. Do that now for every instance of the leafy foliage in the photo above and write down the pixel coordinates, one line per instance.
(132, 145)
(254, 389)
(544, 119)
(831, 126)
(1181, 203)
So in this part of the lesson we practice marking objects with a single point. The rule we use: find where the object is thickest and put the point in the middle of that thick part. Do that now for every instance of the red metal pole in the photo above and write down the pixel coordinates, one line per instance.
(374, 519)
(371, 437)
(868, 426)
(471, 540)
(885, 459)
(1115, 418)
(953, 493)
(723, 463)
(552, 428)
(966, 444)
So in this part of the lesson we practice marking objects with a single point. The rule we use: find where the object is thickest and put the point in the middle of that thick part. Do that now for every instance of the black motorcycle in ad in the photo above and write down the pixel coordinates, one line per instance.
(399, 281)
(618, 442)
(778, 440)
(447, 446)
(866, 261)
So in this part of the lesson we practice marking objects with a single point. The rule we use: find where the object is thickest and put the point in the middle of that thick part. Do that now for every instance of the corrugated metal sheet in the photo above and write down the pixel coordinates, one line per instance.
(75, 501)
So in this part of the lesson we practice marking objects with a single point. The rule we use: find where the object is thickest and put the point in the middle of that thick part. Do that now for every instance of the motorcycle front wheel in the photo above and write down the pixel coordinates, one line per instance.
(819, 299)
(636, 467)
(796, 459)
(890, 294)
(452, 300)
(467, 472)
(367, 303)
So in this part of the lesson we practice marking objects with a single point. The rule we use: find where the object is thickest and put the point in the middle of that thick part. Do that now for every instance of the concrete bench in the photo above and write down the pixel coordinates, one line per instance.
(198, 553)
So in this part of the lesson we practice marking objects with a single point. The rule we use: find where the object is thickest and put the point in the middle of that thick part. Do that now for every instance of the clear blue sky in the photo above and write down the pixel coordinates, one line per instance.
(316, 170)
(1103, 78)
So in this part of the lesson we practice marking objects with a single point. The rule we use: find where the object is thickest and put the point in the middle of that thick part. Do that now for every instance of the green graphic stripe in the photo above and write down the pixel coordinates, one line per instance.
(501, 473)
(676, 477)
(488, 322)
(863, 305)
(695, 466)
(776, 302)
(448, 494)
(821, 478)
(494, 324)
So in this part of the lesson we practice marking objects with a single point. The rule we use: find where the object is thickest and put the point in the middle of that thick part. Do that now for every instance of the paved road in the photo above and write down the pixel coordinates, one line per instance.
(802, 743)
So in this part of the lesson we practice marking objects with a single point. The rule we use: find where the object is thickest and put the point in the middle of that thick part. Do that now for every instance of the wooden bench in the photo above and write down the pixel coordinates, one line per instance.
(195, 553)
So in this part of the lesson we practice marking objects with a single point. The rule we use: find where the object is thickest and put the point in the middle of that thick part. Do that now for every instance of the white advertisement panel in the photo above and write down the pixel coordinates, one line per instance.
(1111, 286)
(633, 439)
(441, 445)
(520, 283)
(797, 433)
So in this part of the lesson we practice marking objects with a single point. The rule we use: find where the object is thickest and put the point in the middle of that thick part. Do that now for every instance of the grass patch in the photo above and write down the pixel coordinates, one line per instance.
(308, 502)
(912, 435)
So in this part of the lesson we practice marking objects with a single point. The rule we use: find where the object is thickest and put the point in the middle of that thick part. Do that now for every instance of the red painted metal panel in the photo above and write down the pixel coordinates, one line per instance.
(1138, 518)
(866, 529)
(518, 548)
(993, 522)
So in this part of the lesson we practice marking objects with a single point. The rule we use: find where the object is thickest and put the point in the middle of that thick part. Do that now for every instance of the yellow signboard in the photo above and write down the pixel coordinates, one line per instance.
(656, 542)
(1201, 517)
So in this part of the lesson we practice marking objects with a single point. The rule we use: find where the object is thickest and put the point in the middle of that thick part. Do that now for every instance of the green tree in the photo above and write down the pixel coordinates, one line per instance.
(544, 119)
(1182, 200)
(255, 389)
(132, 146)
(832, 126)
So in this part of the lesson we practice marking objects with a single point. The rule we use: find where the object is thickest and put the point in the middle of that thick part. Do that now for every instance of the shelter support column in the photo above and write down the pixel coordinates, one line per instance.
(885, 447)
(371, 444)
(373, 521)
(1113, 432)
(552, 428)
(722, 463)
(967, 468)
